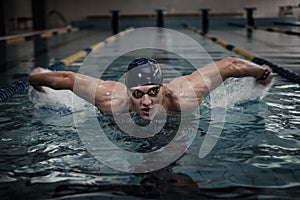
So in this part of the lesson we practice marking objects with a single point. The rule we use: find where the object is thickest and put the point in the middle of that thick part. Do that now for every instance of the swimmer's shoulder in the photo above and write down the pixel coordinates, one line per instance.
(111, 97)
(170, 101)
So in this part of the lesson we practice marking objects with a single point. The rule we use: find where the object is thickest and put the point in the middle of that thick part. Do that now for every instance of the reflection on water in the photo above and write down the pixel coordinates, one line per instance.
(256, 154)
(255, 157)
(132, 143)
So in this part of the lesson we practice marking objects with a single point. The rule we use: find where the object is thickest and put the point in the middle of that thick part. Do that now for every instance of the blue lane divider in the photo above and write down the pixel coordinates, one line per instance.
(21, 85)
(260, 61)
(278, 69)
(15, 88)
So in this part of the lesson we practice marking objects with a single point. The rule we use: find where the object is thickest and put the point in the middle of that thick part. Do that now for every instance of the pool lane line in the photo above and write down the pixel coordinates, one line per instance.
(9, 40)
(21, 85)
(272, 45)
(286, 23)
(80, 54)
(293, 77)
(282, 31)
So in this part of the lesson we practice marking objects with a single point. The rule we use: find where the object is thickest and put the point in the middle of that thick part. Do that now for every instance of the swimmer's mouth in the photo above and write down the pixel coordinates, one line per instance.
(146, 111)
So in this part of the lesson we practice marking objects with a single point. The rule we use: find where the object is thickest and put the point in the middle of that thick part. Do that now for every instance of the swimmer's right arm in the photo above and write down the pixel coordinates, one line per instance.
(96, 91)
(56, 80)
(82, 85)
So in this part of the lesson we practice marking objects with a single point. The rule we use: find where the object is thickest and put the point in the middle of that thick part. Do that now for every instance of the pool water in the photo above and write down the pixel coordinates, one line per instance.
(257, 155)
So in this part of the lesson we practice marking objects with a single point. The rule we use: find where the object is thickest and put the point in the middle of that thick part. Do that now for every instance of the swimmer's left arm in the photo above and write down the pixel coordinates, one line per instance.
(201, 82)
(214, 74)
(209, 77)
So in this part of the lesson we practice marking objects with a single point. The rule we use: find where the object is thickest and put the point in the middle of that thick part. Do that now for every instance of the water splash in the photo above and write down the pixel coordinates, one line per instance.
(56, 99)
(237, 91)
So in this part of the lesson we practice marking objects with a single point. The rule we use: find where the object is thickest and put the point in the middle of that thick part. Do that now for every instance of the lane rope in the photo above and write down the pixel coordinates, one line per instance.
(9, 40)
(293, 77)
(286, 23)
(282, 31)
(23, 84)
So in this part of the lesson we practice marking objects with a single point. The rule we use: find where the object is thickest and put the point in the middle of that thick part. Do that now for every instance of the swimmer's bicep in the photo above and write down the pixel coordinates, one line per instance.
(85, 87)
(192, 85)
(188, 95)
(111, 97)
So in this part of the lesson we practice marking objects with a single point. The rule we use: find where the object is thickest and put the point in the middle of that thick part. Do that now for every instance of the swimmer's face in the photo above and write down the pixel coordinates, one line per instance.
(145, 100)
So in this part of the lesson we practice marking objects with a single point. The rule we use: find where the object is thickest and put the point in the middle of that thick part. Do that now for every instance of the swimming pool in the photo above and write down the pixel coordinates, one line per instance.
(256, 157)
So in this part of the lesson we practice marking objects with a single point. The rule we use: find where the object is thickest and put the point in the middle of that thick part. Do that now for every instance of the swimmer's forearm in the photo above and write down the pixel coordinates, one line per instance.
(235, 67)
(214, 74)
(55, 80)
(82, 85)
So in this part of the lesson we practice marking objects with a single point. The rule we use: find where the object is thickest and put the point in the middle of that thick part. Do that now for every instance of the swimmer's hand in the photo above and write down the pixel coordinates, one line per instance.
(266, 77)
(32, 81)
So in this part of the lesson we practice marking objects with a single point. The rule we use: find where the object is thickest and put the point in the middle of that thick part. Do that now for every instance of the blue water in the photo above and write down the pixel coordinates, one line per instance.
(256, 156)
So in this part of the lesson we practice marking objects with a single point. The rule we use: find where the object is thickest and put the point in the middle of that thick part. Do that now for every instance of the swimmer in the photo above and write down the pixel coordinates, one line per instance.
(144, 91)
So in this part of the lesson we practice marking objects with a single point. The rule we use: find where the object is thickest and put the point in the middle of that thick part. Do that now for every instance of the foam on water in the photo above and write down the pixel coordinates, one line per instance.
(237, 91)
(56, 99)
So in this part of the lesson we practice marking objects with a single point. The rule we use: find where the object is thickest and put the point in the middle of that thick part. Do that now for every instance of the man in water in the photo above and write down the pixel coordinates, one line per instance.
(144, 91)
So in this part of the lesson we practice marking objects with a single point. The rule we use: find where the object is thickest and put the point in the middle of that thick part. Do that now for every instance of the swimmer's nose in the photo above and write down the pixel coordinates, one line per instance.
(146, 100)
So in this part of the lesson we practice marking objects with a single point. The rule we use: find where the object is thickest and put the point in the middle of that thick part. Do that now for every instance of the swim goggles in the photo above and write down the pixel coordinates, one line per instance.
(152, 92)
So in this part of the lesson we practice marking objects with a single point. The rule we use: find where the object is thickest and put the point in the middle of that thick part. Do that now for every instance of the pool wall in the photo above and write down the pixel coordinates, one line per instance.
(174, 22)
